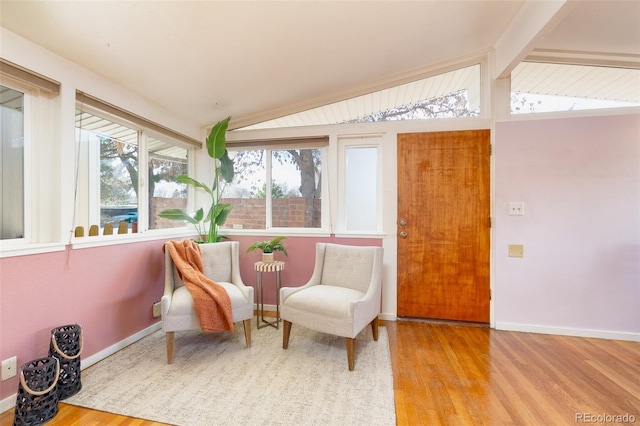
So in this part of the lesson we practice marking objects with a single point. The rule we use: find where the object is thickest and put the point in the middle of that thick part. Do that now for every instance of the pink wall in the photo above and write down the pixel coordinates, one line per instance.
(109, 291)
(579, 179)
(298, 265)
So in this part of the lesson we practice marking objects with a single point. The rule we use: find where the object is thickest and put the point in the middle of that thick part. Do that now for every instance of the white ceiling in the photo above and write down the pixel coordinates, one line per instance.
(256, 60)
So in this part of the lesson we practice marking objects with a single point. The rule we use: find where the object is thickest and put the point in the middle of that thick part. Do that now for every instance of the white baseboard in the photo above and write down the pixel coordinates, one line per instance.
(10, 402)
(99, 356)
(267, 308)
(563, 331)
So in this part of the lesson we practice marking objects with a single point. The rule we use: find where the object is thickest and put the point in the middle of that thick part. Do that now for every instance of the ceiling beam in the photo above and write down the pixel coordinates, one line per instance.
(532, 23)
(596, 59)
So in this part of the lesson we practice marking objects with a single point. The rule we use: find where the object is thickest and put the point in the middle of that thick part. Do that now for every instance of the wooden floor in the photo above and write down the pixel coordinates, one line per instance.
(456, 374)
(447, 374)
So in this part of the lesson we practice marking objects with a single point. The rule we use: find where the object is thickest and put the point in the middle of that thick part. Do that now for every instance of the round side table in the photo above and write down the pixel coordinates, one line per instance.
(261, 268)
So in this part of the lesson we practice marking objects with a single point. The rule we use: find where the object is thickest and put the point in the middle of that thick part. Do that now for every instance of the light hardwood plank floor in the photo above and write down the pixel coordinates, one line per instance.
(464, 374)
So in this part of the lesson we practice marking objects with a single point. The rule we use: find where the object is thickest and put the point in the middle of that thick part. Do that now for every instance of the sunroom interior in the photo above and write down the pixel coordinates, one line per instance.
(557, 84)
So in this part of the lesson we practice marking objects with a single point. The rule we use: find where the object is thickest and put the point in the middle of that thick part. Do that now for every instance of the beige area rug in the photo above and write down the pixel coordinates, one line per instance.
(215, 380)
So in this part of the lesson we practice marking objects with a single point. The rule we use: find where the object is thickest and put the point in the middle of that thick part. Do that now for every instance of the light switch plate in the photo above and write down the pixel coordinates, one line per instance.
(516, 250)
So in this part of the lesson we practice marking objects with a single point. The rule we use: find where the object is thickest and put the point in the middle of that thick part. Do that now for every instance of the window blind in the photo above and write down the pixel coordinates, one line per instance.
(134, 118)
(288, 143)
(30, 77)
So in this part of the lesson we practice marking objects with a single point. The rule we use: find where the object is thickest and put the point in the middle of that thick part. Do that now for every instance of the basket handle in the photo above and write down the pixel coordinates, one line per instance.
(38, 393)
(62, 354)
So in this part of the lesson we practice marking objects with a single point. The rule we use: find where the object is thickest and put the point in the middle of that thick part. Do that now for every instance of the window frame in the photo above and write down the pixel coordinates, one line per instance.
(301, 119)
(144, 231)
(27, 123)
(314, 142)
(41, 228)
(358, 141)
(581, 111)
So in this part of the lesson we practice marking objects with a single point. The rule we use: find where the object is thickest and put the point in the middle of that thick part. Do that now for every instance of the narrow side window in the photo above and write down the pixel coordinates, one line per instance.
(361, 187)
(12, 151)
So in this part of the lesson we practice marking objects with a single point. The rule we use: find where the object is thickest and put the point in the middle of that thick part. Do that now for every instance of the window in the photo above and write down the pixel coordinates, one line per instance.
(107, 180)
(166, 163)
(359, 173)
(28, 169)
(125, 173)
(361, 185)
(545, 87)
(12, 160)
(447, 95)
(276, 187)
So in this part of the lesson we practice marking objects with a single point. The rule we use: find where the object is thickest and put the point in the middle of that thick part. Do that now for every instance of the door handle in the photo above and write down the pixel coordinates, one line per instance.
(403, 234)
(403, 223)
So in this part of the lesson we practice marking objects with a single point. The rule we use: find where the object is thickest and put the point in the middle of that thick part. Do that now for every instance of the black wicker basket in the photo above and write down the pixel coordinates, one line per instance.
(66, 346)
(37, 400)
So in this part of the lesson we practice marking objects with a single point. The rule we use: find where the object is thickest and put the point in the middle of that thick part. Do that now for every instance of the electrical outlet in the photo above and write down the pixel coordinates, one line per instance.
(9, 368)
(516, 209)
(157, 309)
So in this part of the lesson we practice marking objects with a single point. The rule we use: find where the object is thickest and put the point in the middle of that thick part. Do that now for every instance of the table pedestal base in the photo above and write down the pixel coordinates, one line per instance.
(261, 268)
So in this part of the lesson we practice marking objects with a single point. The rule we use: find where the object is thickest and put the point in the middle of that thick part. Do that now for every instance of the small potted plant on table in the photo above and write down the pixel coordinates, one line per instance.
(268, 248)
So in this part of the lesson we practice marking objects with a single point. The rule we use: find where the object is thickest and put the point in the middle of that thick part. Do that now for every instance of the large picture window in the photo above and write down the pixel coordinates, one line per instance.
(125, 173)
(278, 187)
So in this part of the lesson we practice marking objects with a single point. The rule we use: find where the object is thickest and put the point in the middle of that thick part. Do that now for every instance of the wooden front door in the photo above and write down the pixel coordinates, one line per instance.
(443, 225)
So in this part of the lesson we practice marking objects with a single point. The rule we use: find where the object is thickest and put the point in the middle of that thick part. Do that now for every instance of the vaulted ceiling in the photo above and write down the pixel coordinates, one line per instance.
(257, 60)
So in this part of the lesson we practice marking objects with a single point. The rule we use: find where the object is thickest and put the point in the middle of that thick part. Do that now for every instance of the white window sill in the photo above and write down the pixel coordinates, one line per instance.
(25, 249)
(360, 235)
(116, 239)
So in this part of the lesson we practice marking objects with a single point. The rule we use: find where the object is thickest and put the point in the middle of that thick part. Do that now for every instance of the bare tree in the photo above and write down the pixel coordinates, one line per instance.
(451, 105)
(249, 164)
(119, 171)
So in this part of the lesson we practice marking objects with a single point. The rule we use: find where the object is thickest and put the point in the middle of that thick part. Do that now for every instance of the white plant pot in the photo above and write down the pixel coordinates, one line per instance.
(267, 257)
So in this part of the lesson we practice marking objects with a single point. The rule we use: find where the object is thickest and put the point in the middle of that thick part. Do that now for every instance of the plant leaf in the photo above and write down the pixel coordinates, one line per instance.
(190, 181)
(197, 215)
(216, 141)
(226, 167)
(220, 213)
(177, 214)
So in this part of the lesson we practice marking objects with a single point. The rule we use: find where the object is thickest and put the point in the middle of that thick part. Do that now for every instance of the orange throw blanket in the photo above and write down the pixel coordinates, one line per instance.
(210, 299)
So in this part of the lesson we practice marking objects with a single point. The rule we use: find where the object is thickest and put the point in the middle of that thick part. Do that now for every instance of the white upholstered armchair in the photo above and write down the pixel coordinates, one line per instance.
(221, 264)
(342, 297)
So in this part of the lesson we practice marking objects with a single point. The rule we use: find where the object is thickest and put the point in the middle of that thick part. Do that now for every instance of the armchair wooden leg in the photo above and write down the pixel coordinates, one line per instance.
(374, 328)
(286, 332)
(247, 332)
(169, 337)
(351, 344)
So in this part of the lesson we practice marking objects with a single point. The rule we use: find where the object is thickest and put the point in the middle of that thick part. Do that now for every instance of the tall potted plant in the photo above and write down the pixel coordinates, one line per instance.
(207, 225)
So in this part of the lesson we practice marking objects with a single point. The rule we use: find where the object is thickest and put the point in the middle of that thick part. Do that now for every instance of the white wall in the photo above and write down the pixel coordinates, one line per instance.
(579, 179)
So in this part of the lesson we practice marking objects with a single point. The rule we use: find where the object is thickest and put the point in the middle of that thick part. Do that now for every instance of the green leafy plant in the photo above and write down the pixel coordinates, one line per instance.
(271, 246)
(207, 226)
